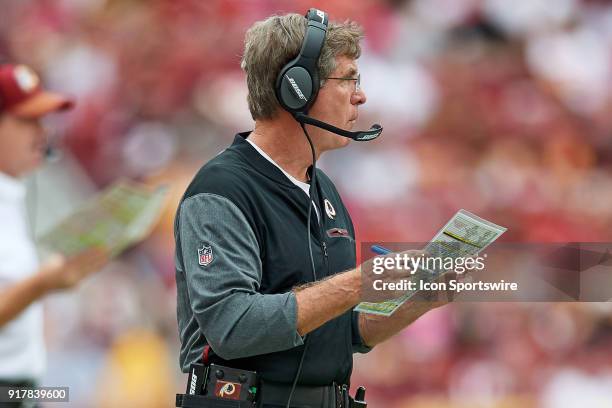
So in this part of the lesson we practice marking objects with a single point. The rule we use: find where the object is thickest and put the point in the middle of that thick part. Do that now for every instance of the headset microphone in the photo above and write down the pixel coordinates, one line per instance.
(360, 135)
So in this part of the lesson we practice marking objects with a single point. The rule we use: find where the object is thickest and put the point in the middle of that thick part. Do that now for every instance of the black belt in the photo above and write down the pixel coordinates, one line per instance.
(304, 396)
(216, 386)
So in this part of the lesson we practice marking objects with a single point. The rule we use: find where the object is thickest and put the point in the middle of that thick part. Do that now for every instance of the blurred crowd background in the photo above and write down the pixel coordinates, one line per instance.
(500, 107)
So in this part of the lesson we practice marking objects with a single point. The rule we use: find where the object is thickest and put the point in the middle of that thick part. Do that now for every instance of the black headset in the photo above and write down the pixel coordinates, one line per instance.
(298, 82)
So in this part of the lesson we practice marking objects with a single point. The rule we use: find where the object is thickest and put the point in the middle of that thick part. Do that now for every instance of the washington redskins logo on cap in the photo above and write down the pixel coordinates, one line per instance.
(26, 79)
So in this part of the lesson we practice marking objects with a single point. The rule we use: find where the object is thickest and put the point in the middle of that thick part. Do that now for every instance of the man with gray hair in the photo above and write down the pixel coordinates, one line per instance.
(265, 253)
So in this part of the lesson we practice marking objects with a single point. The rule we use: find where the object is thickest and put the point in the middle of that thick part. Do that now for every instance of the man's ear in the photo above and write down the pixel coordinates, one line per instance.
(5, 129)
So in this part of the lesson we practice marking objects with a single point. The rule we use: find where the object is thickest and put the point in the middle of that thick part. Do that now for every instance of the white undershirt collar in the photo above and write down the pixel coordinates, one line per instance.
(304, 186)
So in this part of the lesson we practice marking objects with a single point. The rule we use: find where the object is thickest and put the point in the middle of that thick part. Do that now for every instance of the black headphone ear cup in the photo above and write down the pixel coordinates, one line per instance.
(295, 89)
(297, 84)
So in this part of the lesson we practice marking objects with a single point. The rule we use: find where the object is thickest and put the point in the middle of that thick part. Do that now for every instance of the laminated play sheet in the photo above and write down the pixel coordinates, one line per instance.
(116, 218)
(464, 235)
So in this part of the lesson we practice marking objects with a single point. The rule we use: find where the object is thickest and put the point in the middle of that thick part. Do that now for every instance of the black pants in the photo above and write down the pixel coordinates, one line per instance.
(17, 384)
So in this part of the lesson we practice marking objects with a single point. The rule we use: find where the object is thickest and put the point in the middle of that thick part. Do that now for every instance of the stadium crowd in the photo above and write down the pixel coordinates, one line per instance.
(501, 108)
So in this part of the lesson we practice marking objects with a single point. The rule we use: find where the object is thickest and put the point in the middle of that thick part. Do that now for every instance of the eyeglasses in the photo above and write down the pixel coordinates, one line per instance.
(357, 81)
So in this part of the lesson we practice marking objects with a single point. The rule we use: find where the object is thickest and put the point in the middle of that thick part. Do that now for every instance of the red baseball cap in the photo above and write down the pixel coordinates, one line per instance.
(22, 95)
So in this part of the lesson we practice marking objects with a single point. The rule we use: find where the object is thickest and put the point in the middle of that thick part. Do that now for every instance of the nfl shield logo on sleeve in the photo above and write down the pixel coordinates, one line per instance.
(205, 255)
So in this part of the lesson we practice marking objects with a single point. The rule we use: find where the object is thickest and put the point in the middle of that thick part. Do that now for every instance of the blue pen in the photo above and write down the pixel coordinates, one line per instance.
(379, 250)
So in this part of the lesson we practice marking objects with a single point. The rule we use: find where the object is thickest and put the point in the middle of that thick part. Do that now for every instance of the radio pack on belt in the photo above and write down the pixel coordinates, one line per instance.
(215, 386)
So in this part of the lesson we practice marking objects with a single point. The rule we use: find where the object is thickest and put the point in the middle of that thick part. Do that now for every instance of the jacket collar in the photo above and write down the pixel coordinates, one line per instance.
(257, 161)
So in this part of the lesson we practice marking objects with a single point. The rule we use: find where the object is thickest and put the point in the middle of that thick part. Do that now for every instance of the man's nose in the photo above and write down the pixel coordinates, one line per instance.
(358, 97)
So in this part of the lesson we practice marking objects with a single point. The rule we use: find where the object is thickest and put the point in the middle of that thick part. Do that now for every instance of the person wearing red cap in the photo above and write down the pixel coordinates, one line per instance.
(23, 102)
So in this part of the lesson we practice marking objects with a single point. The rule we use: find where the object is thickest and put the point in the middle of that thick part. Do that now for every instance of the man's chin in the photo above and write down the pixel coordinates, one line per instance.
(339, 142)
